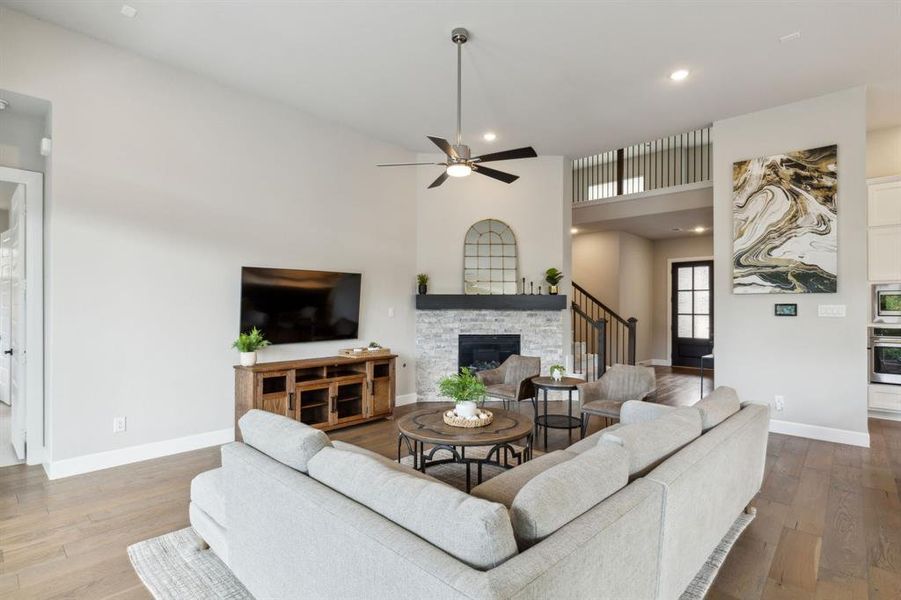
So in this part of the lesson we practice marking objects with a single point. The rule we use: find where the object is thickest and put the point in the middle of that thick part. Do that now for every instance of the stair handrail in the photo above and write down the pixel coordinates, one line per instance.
(601, 304)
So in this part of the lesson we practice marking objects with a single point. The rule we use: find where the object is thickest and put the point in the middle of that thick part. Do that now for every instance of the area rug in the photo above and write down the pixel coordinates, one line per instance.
(700, 585)
(179, 566)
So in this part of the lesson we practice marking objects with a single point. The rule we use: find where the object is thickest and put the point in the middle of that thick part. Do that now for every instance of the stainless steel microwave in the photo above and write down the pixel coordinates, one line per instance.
(887, 303)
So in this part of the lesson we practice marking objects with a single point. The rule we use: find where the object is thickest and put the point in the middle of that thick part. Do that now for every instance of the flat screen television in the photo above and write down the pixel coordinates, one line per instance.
(291, 306)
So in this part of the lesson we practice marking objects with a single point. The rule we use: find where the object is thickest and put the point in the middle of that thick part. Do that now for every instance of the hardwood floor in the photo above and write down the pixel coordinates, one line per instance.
(828, 525)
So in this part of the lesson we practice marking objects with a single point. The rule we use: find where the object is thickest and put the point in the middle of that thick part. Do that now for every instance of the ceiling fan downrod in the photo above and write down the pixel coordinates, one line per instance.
(460, 36)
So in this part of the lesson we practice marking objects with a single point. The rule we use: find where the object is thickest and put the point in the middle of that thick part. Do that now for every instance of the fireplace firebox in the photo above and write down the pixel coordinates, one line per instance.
(483, 352)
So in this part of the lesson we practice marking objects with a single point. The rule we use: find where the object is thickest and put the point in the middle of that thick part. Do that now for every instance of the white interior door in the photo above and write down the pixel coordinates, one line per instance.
(5, 315)
(13, 346)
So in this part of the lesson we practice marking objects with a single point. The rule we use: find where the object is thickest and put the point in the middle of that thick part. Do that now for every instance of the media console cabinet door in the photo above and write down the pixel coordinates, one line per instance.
(348, 400)
(381, 390)
(274, 391)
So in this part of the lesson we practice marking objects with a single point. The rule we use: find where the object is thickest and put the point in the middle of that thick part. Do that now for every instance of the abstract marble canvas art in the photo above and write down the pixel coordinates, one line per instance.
(784, 223)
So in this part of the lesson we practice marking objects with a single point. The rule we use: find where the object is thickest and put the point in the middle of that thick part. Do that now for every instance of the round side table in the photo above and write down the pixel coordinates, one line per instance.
(567, 421)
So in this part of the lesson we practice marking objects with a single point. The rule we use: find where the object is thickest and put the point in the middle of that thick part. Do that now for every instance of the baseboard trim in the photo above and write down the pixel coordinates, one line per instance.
(888, 416)
(656, 362)
(403, 399)
(817, 432)
(123, 456)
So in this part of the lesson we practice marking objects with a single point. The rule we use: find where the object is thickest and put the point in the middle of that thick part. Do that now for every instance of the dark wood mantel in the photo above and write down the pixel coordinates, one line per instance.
(490, 302)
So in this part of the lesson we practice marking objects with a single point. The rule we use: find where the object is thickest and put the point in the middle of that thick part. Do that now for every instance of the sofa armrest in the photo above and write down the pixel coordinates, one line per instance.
(638, 411)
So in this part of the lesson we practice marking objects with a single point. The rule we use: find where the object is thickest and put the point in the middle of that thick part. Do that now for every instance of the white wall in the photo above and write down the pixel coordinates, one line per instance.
(884, 152)
(665, 251)
(818, 364)
(20, 140)
(531, 206)
(616, 268)
(164, 185)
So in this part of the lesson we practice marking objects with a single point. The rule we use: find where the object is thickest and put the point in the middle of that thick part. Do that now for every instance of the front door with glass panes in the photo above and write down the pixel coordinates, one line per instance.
(692, 313)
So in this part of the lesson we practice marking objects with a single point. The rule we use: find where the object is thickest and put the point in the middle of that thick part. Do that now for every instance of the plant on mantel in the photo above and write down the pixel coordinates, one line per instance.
(553, 276)
(248, 344)
(422, 281)
(465, 389)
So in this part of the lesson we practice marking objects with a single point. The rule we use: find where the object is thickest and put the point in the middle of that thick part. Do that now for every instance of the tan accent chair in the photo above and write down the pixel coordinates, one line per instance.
(512, 381)
(605, 397)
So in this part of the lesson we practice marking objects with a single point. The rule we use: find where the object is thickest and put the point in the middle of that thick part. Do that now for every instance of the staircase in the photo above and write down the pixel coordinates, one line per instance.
(600, 337)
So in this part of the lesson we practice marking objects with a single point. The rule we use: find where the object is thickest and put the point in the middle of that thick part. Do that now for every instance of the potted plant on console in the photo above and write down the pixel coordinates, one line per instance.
(248, 344)
(465, 389)
(553, 277)
(422, 280)
(557, 372)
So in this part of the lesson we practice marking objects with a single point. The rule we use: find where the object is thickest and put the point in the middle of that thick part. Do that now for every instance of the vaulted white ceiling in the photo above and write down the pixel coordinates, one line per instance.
(566, 77)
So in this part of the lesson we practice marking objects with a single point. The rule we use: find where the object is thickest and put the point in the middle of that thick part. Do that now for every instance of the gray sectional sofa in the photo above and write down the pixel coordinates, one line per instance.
(630, 512)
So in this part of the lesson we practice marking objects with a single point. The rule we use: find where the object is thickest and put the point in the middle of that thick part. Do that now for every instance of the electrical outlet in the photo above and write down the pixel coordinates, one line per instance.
(118, 424)
(779, 403)
(391, 312)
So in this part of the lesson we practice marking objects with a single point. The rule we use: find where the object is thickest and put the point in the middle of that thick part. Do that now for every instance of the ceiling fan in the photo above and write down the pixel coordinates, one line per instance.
(459, 162)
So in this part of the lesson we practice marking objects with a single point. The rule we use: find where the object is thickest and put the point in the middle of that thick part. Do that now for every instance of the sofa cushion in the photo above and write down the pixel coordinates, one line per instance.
(639, 411)
(651, 442)
(504, 487)
(587, 443)
(565, 491)
(288, 441)
(207, 493)
(474, 531)
(717, 406)
(391, 464)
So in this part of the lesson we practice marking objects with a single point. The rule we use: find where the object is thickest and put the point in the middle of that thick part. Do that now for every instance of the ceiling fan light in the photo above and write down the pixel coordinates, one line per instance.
(459, 170)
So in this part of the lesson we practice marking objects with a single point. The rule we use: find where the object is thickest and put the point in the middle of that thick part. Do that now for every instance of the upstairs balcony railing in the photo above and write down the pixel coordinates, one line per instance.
(666, 162)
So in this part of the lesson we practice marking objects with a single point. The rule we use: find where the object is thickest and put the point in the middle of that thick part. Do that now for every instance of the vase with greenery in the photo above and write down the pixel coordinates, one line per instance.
(465, 389)
(557, 372)
(553, 277)
(248, 344)
(422, 280)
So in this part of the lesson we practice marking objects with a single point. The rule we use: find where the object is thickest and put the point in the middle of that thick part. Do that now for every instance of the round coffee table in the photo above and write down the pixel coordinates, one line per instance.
(567, 421)
(427, 426)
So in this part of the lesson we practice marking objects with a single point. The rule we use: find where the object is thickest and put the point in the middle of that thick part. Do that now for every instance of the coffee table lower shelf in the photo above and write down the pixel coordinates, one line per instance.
(498, 455)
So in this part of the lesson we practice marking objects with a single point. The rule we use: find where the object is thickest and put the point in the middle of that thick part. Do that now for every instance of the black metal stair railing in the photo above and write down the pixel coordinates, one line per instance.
(600, 337)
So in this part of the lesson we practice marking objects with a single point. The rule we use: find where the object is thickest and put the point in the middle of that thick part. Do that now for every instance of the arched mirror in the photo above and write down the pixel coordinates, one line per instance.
(489, 259)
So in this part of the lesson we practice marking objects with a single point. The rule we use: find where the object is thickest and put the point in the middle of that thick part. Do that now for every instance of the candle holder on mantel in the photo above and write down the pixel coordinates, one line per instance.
(531, 288)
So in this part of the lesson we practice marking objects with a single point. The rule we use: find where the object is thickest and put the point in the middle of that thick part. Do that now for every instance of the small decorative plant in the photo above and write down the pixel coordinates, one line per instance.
(248, 344)
(557, 371)
(422, 280)
(374, 346)
(465, 389)
(553, 277)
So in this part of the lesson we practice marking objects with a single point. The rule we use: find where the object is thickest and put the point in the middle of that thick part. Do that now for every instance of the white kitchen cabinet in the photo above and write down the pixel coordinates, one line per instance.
(884, 232)
(885, 253)
(884, 202)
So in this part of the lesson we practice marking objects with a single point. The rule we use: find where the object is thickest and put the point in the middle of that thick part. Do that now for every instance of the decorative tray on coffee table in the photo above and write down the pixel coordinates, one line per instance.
(483, 417)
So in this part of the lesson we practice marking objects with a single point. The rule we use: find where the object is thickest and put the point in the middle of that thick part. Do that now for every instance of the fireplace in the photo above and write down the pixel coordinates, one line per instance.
(483, 352)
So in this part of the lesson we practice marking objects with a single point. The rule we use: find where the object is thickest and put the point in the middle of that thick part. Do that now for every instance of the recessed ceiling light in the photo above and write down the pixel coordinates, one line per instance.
(699, 229)
(679, 74)
(794, 35)
(489, 136)
(129, 11)
(574, 230)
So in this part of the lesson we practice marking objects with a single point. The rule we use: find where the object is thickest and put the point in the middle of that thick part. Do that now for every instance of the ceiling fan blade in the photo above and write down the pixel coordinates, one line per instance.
(527, 152)
(495, 174)
(439, 181)
(444, 145)
(407, 164)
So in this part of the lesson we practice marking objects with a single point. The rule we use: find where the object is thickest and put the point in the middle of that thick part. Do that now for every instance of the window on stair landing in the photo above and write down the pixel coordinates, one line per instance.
(490, 264)
(631, 185)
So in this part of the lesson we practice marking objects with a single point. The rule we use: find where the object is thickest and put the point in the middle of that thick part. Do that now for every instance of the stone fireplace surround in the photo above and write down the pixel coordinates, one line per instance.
(437, 333)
